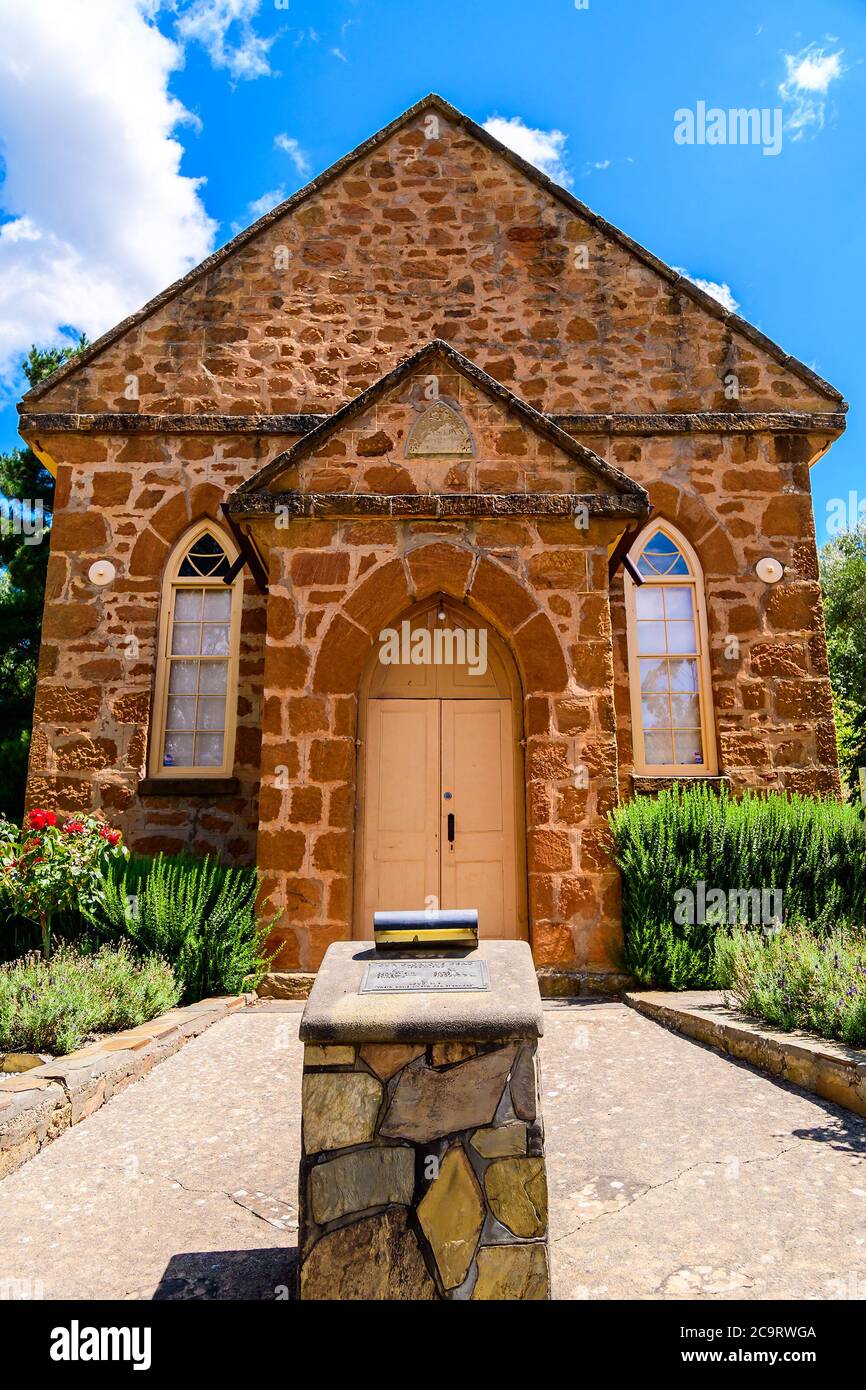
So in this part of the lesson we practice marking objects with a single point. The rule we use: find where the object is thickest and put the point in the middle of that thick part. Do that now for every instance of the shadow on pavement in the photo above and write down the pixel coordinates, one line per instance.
(268, 1274)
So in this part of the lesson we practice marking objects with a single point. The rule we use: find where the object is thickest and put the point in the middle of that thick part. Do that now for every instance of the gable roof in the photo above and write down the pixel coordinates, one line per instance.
(434, 102)
(437, 348)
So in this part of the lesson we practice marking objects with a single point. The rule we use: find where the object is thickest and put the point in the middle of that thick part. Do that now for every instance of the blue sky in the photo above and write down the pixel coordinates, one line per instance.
(207, 110)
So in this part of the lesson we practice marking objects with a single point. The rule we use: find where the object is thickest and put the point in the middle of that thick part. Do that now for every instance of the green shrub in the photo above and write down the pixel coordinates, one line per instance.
(198, 914)
(53, 1005)
(797, 980)
(813, 850)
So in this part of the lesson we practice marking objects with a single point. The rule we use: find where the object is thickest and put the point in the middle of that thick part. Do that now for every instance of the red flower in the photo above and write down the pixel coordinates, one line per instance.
(112, 836)
(37, 820)
(74, 827)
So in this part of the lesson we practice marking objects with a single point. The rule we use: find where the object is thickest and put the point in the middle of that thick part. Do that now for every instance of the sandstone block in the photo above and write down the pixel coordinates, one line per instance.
(516, 1191)
(339, 1109)
(428, 1104)
(506, 1141)
(451, 1213)
(386, 1059)
(356, 1181)
(512, 1272)
(377, 1258)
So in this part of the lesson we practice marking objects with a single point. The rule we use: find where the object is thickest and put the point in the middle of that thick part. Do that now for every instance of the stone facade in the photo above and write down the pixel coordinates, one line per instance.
(337, 578)
(429, 231)
(422, 1174)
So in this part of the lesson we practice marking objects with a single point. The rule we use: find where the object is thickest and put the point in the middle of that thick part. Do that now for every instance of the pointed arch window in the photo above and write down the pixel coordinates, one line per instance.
(195, 702)
(669, 674)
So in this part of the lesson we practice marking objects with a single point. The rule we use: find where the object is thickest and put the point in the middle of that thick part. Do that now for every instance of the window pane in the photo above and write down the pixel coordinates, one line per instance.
(654, 675)
(681, 637)
(181, 712)
(182, 674)
(185, 639)
(218, 604)
(689, 748)
(649, 601)
(661, 556)
(651, 637)
(178, 750)
(205, 557)
(656, 712)
(213, 678)
(684, 675)
(187, 605)
(211, 714)
(208, 750)
(215, 639)
(686, 712)
(658, 749)
(678, 601)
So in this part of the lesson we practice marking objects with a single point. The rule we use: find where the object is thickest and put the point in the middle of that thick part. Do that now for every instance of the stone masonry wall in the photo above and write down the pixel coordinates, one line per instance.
(430, 238)
(129, 500)
(421, 239)
(422, 1173)
(341, 583)
(738, 498)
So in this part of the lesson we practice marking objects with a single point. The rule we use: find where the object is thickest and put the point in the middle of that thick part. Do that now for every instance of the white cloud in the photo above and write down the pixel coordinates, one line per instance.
(289, 145)
(808, 75)
(338, 53)
(543, 148)
(717, 290)
(224, 29)
(99, 216)
(258, 207)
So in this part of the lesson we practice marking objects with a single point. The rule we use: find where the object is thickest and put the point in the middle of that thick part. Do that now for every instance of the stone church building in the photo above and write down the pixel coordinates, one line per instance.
(410, 532)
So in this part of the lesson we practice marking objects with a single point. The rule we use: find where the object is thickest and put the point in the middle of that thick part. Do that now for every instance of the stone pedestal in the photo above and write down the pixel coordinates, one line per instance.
(422, 1170)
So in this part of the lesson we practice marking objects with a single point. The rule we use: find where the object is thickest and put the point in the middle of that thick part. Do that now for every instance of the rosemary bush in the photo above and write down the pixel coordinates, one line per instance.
(196, 913)
(813, 850)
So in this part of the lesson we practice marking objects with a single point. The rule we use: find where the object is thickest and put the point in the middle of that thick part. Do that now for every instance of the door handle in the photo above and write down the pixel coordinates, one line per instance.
(451, 827)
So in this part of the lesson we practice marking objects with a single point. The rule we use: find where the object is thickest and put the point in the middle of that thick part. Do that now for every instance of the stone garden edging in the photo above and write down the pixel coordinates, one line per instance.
(39, 1104)
(828, 1069)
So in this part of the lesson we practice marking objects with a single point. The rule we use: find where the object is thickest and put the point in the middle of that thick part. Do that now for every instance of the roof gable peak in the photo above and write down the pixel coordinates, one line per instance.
(434, 102)
(610, 478)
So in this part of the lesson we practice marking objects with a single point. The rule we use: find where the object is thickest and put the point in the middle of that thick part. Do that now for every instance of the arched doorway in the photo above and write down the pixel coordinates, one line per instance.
(440, 773)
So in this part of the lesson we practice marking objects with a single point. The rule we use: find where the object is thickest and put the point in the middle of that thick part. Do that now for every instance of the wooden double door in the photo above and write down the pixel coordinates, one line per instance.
(439, 809)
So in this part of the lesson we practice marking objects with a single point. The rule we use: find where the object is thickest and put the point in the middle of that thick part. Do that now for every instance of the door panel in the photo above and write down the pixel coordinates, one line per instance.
(478, 867)
(401, 850)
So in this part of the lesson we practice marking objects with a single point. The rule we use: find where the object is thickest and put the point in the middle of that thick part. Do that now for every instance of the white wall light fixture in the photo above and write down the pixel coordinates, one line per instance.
(101, 572)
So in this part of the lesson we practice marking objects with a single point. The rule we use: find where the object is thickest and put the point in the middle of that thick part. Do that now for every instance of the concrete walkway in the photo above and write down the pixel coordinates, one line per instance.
(674, 1173)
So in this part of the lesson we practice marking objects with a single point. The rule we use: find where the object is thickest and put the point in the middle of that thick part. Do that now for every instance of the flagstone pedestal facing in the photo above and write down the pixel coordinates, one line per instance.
(422, 1166)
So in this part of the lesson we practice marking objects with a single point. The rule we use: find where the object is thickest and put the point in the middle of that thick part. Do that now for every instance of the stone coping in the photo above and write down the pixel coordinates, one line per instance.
(511, 1008)
(438, 505)
(600, 423)
(39, 1104)
(829, 1069)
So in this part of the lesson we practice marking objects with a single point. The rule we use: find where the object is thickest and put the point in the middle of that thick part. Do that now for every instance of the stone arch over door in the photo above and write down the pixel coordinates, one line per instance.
(508, 601)
(438, 739)
(560, 649)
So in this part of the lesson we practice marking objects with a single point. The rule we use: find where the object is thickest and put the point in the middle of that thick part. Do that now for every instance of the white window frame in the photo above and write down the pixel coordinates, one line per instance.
(694, 580)
(172, 584)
